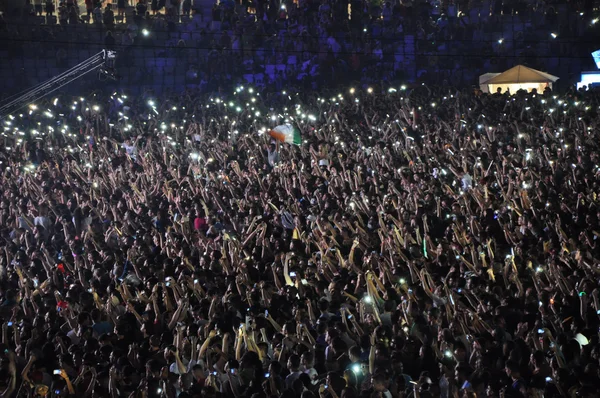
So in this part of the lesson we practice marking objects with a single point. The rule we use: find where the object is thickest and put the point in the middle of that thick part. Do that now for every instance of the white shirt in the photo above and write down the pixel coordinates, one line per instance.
(86, 222)
(467, 182)
(175, 369)
(43, 221)
(130, 149)
(313, 374)
(73, 336)
(23, 224)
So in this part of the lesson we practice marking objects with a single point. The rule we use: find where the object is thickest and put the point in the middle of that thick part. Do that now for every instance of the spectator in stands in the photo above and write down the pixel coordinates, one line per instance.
(191, 75)
(108, 18)
(141, 8)
(109, 40)
(63, 14)
(98, 14)
(121, 6)
(49, 8)
(387, 12)
(138, 20)
(38, 7)
(126, 39)
(154, 6)
(176, 8)
(225, 41)
(257, 37)
(186, 7)
(89, 7)
(73, 16)
(216, 16)
(169, 7)
(61, 58)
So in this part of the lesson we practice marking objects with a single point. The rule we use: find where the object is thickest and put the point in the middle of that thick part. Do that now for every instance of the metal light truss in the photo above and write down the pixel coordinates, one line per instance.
(27, 97)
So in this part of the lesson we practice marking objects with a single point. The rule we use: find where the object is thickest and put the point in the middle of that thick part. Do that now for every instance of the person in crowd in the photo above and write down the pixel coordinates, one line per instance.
(109, 40)
(121, 6)
(89, 7)
(378, 41)
(420, 242)
(97, 14)
(49, 7)
(141, 8)
(73, 16)
(63, 13)
(38, 7)
(108, 17)
(186, 7)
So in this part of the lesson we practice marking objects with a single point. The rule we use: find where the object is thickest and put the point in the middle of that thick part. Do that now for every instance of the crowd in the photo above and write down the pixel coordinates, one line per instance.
(419, 242)
(316, 44)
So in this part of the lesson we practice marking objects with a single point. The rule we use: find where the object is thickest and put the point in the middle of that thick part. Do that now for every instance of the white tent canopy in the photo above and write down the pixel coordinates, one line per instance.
(484, 78)
(517, 78)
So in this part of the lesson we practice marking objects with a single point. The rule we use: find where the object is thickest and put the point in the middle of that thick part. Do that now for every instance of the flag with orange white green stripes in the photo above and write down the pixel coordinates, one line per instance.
(286, 133)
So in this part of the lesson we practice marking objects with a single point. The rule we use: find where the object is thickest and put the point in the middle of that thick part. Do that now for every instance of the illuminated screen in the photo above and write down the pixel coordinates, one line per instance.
(596, 56)
(589, 79)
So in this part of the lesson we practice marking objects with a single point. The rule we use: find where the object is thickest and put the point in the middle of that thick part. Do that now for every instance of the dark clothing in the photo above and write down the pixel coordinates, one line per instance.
(109, 41)
(514, 390)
